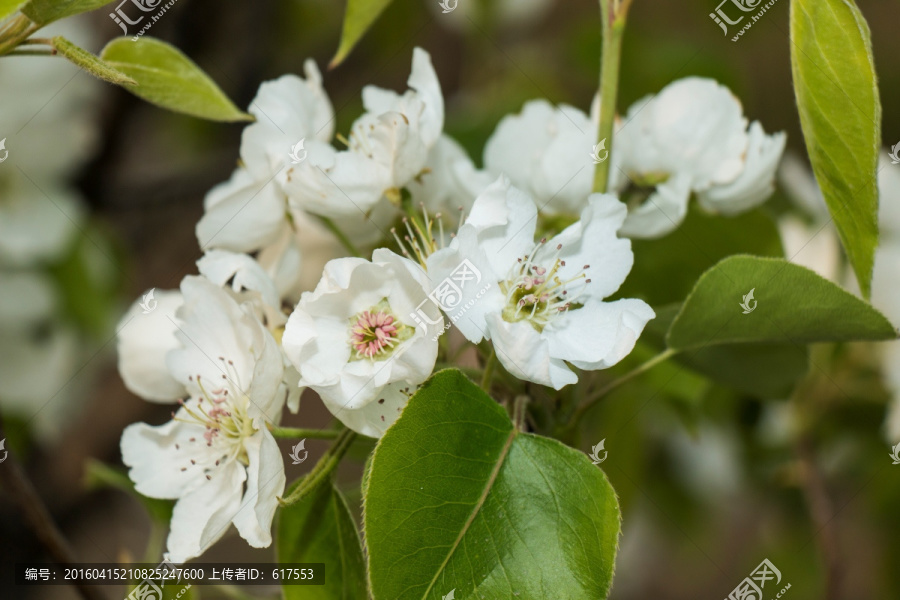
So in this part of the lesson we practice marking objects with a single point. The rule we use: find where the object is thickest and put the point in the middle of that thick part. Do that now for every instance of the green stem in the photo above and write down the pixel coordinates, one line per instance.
(590, 402)
(341, 236)
(15, 32)
(613, 17)
(488, 375)
(323, 469)
(46, 52)
(297, 432)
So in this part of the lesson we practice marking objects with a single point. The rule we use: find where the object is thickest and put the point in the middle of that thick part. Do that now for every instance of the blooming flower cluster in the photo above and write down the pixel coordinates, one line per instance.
(240, 341)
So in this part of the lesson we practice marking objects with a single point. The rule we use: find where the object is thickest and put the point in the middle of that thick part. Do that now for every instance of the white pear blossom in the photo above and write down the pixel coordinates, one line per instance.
(691, 137)
(542, 303)
(216, 456)
(546, 152)
(288, 110)
(388, 146)
(355, 341)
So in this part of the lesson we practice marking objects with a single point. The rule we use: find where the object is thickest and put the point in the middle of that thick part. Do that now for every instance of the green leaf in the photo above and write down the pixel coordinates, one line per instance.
(698, 244)
(791, 305)
(359, 17)
(8, 7)
(90, 63)
(169, 79)
(459, 500)
(762, 370)
(319, 529)
(99, 475)
(43, 12)
(837, 96)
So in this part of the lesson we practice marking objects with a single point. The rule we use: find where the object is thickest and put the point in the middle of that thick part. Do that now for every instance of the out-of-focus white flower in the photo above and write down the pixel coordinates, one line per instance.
(388, 146)
(216, 457)
(354, 342)
(543, 306)
(38, 225)
(503, 13)
(48, 108)
(691, 137)
(545, 151)
(38, 352)
(287, 110)
(886, 281)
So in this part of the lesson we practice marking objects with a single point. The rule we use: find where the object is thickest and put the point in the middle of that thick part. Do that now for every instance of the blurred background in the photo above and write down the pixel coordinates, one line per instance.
(101, 192)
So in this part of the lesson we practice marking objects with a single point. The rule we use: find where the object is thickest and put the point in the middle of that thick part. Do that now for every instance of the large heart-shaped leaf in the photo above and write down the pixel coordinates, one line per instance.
(169, 79)
(790, 304)
(359, 17)
(47, 11)
(458, 500)
(320, 529)
(837, 95)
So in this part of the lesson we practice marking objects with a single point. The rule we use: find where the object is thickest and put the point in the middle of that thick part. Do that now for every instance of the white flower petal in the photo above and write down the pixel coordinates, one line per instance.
(546, 151)
(202, 516)
(287, 110)
(265, 484)
(505, 219)
(336, 184)
(525, 353)
(160, 457)
(248, 282)
(757, 181)
(662, 212)
(242, 214)
(144, 340)
(374, 418)
(599, 334)
(593, 240)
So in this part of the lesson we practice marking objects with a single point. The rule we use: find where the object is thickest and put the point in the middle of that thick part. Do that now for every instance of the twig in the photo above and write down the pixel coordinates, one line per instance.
(296, 432)
(822, 514)
(38, 517)
(590, 402)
